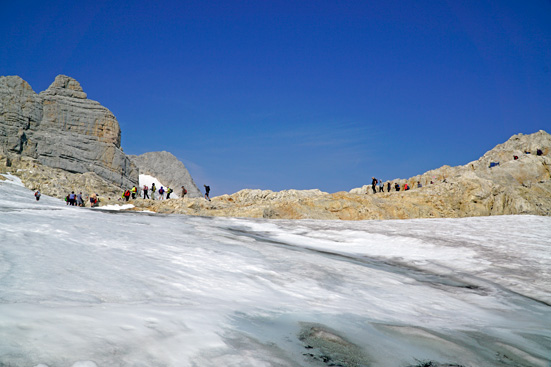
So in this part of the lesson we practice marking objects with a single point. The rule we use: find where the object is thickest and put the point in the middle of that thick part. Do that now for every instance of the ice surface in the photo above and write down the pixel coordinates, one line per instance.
(81, 287)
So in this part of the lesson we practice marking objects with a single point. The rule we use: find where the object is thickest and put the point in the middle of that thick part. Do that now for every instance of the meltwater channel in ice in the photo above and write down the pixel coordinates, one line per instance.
(82, 287)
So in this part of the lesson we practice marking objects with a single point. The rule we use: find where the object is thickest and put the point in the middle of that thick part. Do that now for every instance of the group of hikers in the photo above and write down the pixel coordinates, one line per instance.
(148, 193)
(151, 192)
(146, 190)
(74, 199)
(377, 185)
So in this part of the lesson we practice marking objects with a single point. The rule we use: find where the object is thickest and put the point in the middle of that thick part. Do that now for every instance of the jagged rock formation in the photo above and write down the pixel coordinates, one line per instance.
(168, 169)
(61, 128)
(521, 186)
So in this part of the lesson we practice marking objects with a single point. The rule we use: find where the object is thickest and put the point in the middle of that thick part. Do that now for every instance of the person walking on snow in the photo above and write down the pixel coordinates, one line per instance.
(80, 201)
(37, 195)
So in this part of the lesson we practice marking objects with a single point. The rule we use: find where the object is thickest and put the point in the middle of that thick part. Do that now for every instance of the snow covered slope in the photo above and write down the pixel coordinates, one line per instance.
(87, 287)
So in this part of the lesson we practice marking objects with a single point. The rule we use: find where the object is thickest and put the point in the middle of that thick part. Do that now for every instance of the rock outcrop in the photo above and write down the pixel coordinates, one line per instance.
(168, 169)
(61, 128)
(515, 186)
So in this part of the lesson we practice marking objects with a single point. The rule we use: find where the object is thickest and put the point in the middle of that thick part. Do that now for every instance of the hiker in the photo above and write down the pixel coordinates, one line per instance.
(80, 202)
(373, 184)
(127, 195)
(397, 186)
(388, 186)
(207, 191)
(145, 191)
(37, 195)
(153, 191)
(406, 187)
(161, 193)
(539, 152)
(381, 186)
(419, 184)
(72, 198)
(168, 192)
(94, 200)
(184, 191)
(133, 191)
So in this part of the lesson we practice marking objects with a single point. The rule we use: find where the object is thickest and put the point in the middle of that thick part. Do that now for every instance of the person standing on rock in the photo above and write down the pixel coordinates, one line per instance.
(184, 192)
(145, 191)
(161, 193)
(381, 187)
(207, 192)
(153, 190)
(168, 192)
(37, 195)
(388, 186)
(373, 184)
(134, 191)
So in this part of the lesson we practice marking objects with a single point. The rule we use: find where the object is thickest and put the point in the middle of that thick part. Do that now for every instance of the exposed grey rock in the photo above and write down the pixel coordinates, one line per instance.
(168, 169)
(63, 129)
(20, 113)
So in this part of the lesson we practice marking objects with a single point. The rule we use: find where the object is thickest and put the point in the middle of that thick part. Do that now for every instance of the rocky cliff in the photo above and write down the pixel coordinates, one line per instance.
(61, 128)
(168, 169)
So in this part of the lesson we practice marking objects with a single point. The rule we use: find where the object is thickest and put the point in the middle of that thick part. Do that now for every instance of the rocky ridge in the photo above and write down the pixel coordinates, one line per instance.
(521, 186)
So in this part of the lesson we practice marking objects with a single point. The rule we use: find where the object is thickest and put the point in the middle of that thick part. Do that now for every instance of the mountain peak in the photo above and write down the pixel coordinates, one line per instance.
(66, 86)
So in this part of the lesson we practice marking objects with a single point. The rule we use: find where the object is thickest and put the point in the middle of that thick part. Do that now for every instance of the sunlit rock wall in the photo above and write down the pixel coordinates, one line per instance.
(63, 129)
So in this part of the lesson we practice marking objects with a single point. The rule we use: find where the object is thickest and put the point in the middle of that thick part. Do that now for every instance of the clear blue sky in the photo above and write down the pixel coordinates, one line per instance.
(296, 94)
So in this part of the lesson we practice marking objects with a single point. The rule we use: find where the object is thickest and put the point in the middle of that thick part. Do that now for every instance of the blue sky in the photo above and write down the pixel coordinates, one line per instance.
(296, 94)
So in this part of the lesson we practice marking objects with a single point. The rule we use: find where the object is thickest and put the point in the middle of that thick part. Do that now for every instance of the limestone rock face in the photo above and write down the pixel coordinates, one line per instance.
(20, 113)
(63, 129)
(168, 169)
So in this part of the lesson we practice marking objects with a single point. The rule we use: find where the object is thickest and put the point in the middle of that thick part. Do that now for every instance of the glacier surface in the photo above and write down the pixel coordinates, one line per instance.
(83, 287)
